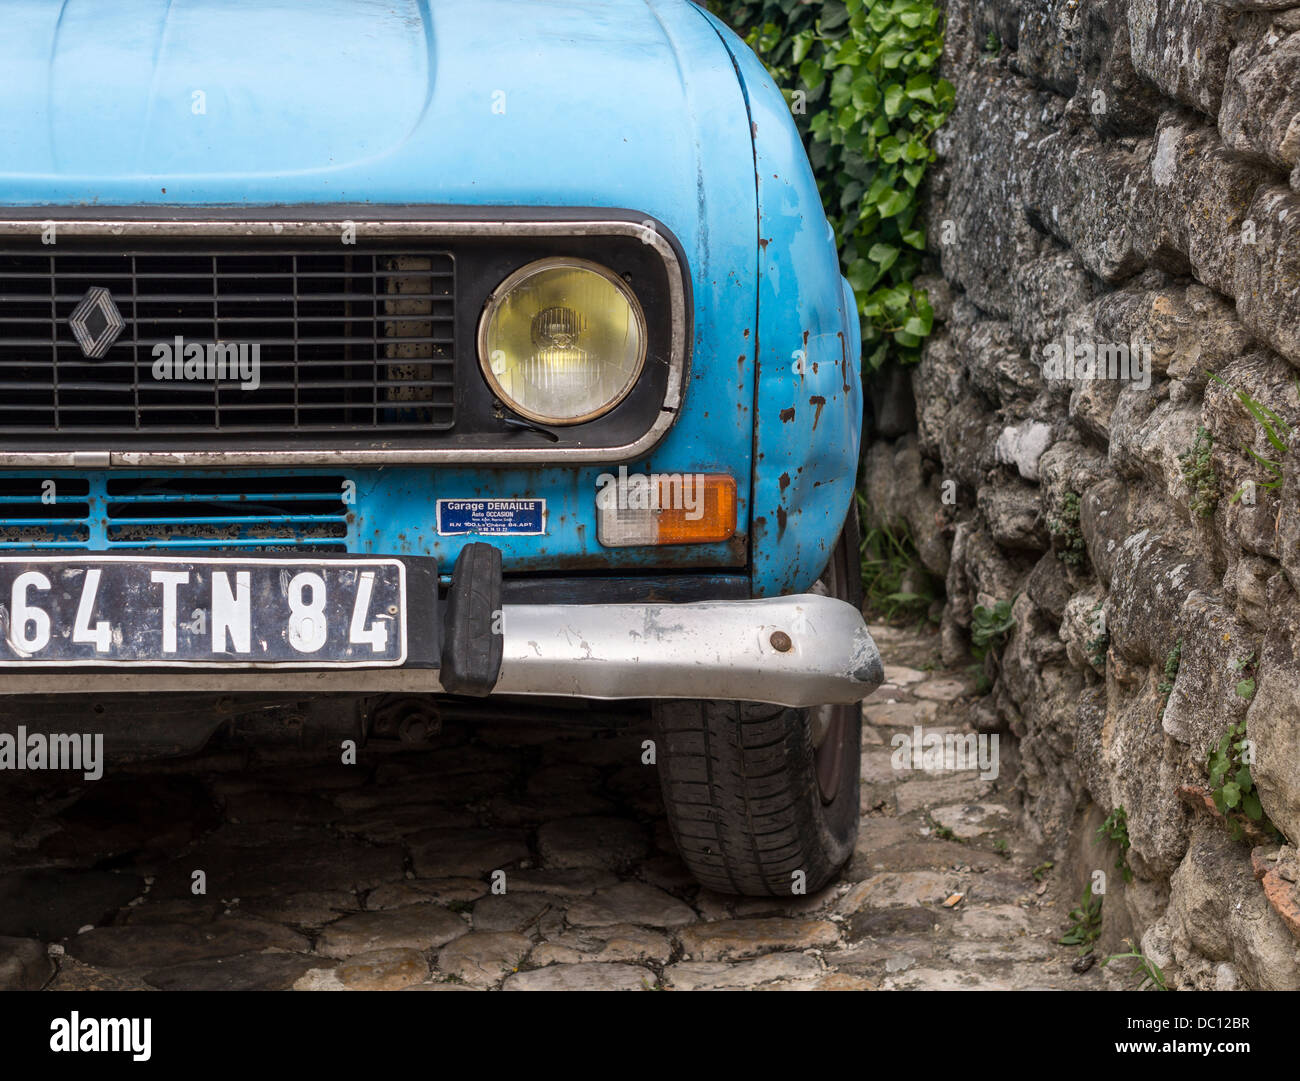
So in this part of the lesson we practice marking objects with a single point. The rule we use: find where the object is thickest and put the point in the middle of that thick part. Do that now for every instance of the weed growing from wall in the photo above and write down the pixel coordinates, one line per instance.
(1198, 473)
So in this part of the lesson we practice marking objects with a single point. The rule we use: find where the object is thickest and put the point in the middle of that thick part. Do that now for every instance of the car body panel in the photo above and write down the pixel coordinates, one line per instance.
(808, 406)
(393, 104)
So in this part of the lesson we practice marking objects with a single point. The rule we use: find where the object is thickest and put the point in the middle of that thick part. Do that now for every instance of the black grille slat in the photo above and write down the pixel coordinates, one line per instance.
(353, 342)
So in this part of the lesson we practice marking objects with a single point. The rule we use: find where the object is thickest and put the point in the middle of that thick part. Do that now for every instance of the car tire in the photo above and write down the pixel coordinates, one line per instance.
(756, 805)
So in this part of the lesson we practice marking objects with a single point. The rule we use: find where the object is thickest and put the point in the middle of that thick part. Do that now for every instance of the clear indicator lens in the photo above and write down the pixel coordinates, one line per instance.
(562, 341)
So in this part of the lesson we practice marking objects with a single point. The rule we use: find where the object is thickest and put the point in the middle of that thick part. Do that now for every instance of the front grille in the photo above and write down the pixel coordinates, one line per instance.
(347, 341)
(38, 512)
(267, 513)
(106, 512)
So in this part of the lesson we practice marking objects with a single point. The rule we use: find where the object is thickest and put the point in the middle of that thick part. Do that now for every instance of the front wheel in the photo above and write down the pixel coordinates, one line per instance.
(763, 800)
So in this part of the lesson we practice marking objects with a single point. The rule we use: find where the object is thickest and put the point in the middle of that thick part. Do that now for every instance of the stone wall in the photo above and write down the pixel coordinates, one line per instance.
(1123, 175)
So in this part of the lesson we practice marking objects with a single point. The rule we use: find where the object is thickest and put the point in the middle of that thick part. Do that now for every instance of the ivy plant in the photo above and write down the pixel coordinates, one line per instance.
(862, 82)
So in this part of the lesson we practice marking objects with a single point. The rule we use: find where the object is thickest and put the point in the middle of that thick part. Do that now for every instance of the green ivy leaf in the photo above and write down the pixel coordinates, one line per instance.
(883, 255)
(893, 203)
(812, 74)
(920, 88)
(801, 43)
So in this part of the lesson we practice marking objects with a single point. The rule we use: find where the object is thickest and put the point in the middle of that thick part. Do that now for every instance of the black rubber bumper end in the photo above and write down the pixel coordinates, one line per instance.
(472, 639)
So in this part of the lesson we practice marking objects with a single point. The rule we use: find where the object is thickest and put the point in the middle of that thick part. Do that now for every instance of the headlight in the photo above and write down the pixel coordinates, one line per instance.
(562, 340)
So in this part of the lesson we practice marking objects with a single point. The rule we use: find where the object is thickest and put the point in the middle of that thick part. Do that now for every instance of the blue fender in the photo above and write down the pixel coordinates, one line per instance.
(808, 400)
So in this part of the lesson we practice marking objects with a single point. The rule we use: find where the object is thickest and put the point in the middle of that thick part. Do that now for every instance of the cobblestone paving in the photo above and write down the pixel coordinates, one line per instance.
(380, 875)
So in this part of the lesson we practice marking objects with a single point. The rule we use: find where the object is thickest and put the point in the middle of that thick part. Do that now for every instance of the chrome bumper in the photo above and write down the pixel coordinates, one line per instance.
(804, 650)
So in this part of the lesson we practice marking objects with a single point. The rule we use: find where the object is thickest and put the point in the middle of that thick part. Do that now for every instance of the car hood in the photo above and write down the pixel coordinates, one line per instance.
(630, 104)
(346, 100)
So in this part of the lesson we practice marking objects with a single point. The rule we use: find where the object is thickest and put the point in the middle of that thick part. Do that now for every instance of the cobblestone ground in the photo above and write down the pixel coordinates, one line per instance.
(378, 876)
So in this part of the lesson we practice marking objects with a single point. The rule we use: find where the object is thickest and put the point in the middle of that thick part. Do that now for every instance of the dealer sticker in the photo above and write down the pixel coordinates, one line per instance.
(519, 517)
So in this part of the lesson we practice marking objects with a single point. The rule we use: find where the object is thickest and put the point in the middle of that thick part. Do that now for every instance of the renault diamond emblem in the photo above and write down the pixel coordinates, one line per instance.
(96, 322)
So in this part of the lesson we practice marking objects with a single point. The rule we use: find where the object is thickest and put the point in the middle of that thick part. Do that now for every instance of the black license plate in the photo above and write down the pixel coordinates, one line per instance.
(121, 610)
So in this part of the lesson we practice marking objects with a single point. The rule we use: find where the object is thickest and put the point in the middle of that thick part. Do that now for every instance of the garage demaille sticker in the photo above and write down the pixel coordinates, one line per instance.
(518, 517)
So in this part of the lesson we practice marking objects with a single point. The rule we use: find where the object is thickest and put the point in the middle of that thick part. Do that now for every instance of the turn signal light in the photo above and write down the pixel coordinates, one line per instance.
(664, 508)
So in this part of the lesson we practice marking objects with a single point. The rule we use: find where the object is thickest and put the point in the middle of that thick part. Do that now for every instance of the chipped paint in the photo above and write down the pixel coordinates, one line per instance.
(805, 463)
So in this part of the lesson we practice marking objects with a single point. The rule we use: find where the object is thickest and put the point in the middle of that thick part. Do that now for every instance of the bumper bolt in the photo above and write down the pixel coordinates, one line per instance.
(781, 642)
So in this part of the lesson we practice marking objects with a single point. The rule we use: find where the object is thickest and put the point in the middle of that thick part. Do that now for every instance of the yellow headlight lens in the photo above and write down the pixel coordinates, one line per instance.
(562, 340)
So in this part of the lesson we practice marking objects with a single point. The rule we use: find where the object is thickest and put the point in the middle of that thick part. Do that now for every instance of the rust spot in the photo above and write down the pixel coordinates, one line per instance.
(746, 334)
(820, 403)
(764, 241)
(740, 361)
(784, 481)
(787, 415)
(780, 522)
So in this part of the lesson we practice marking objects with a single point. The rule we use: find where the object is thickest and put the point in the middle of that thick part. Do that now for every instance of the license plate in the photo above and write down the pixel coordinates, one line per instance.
(158, 611)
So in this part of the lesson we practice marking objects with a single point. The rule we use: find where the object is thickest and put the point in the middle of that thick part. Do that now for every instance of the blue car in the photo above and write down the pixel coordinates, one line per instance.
(386, 353)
